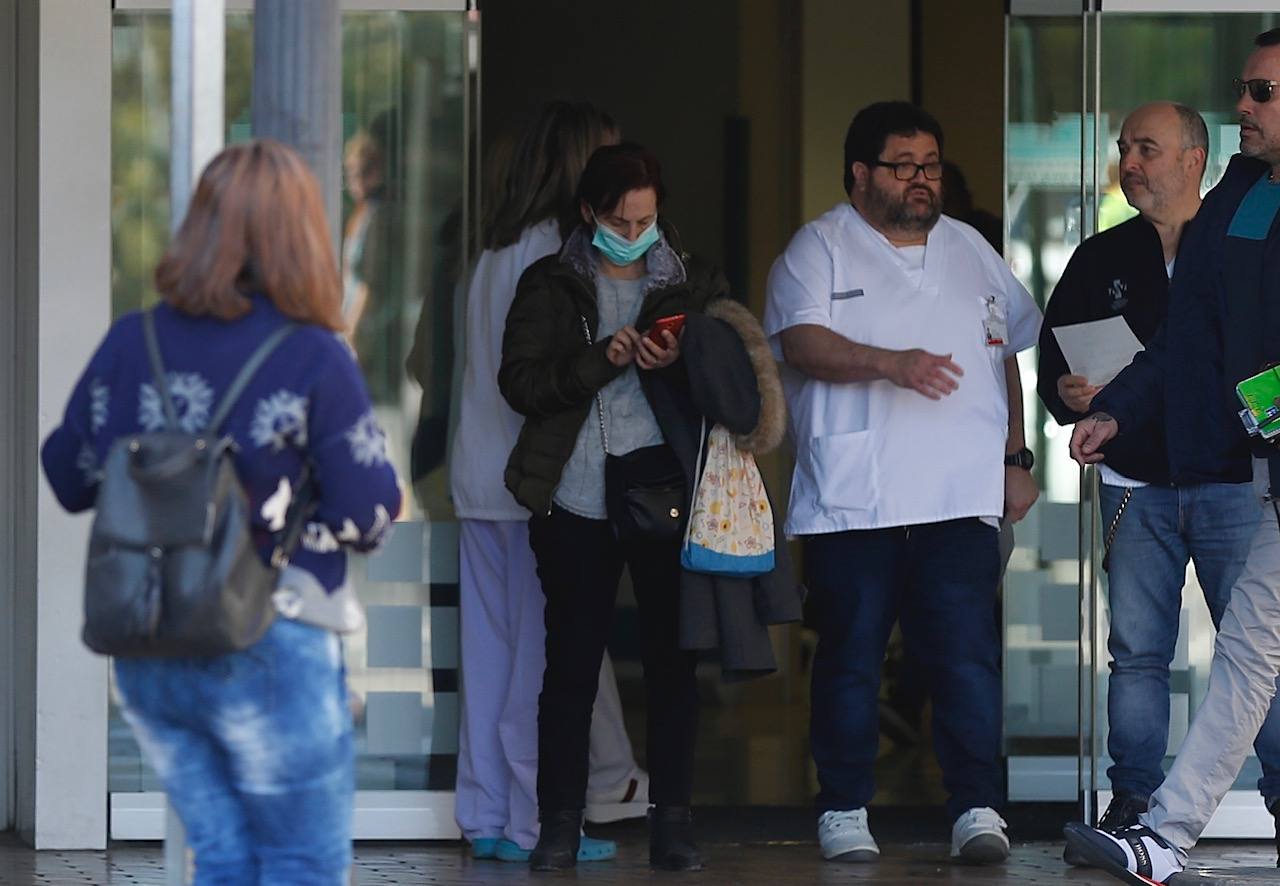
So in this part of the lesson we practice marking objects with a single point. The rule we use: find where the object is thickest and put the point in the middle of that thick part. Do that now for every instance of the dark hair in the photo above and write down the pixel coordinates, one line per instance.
(256, 223)
(537, 178)
(873, 125)
(613, 170)
(1268, 38)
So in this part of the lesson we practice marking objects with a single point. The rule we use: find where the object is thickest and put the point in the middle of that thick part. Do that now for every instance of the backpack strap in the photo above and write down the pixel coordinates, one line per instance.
(241, 381)
(238, 384)
(157, 368)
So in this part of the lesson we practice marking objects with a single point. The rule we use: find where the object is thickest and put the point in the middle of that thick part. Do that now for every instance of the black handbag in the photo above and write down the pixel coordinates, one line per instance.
(644, 493)
(644, 490)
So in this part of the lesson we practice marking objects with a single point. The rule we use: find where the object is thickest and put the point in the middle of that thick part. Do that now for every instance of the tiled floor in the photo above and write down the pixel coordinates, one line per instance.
(775, 863)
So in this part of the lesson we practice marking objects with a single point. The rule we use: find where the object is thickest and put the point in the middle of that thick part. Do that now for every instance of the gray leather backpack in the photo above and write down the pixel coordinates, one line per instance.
(172, 569)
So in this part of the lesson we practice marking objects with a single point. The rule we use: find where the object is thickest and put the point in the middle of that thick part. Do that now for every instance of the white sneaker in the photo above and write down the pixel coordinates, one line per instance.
(978, 836)
(1135, 854)
(844, 836)
(631, 802)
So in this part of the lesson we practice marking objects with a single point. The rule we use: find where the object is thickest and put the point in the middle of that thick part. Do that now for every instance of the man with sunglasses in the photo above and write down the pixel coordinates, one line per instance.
(898, 328)
(1223, 325)
(1152, 524)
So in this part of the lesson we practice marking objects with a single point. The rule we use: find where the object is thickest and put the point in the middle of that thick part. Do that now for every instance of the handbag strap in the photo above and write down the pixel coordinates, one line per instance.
(697, 481)
(604, 434)
(702, 443)
(238, 384)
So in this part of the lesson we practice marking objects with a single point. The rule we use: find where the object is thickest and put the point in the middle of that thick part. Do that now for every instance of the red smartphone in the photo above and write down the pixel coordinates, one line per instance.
(671, 324)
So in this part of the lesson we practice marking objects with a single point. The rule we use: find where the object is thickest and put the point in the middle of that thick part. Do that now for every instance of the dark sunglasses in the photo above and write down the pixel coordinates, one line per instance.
(1260, 91)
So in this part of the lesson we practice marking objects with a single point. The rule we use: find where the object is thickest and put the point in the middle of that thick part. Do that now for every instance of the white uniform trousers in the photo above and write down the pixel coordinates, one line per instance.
(502, 659)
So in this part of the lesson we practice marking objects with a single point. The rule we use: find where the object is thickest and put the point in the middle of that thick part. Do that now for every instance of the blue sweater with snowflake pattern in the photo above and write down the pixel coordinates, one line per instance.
(307, 402)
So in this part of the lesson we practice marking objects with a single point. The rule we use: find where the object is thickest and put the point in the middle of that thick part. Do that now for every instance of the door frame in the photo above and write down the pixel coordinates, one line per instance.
(379, 814)
(9, 437)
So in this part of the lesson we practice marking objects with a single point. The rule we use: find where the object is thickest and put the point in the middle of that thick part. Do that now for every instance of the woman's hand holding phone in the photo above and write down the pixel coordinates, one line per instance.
(650, 355)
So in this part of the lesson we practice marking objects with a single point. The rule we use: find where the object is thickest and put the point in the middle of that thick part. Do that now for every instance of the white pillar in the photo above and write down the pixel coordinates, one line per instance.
(8, 85)
(62, 308)
(198, 62)
(199, 53)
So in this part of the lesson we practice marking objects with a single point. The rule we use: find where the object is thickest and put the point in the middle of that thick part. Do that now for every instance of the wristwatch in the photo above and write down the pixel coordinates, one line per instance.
(1024, 458)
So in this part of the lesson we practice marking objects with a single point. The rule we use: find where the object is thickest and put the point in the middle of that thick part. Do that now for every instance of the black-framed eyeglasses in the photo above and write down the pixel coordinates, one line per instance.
(1261, 91)
(905, 172)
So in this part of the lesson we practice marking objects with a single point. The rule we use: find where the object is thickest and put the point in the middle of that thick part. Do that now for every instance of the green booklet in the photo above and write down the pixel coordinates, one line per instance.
(1260, 395)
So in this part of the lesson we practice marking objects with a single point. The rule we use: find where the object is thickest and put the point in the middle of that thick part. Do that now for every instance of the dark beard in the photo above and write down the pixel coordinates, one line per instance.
(893, 213)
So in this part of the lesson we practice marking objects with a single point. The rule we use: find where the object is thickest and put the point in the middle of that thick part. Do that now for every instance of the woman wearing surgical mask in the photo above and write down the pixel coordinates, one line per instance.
(606, 389)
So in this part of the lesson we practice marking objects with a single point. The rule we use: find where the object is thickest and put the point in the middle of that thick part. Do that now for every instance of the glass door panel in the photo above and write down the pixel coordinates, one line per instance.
(1046, 190)
(1170, 51)
(1071, 80)
(407, 80)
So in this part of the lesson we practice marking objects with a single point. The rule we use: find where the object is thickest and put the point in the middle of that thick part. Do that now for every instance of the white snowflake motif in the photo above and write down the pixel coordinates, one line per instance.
(279, 420)
(318, 538)
(87, 462)
(192, 400)
(99, 398)
(276, 508)
(368, 443)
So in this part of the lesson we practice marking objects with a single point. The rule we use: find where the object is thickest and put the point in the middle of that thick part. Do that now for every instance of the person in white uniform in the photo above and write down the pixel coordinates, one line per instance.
(899, 327)
(500, 597)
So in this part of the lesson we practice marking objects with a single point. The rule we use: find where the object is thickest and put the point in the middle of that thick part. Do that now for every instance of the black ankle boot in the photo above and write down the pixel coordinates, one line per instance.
(557, 848)
(671, 845)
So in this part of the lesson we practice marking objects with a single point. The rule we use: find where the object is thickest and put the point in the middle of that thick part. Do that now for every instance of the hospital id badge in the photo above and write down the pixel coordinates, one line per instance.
(995, 326)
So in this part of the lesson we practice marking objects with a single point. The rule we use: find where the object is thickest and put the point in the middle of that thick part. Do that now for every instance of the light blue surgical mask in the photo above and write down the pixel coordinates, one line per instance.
(617, 248)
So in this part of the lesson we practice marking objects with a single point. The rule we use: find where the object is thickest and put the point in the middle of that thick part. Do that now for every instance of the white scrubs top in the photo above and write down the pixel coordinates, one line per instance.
(487, 426)
(871, 454)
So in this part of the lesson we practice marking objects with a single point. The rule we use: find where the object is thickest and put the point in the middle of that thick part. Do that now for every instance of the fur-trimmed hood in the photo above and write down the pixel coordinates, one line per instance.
(769, 431)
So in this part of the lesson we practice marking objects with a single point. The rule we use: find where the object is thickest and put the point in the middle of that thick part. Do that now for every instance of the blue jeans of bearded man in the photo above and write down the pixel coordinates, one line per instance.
(1161, 529)
(255, 752)
(939, 581)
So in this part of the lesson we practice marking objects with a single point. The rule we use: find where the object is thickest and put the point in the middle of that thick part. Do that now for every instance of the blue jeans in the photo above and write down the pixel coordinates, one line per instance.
(939, 580)
(255, 752)
(1212, 524)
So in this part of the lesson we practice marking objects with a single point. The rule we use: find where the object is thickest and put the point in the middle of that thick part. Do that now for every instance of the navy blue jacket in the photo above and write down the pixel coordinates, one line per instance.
(1216, 333)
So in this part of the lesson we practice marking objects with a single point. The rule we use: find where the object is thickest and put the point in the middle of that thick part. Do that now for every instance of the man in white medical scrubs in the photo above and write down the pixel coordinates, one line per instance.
(899, 327)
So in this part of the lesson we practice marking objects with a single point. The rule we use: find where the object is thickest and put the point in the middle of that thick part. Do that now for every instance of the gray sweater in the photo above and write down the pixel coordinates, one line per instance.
(628, 421)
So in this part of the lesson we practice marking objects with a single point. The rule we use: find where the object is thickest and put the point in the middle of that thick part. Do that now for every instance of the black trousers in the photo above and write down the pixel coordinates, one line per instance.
(579, 563)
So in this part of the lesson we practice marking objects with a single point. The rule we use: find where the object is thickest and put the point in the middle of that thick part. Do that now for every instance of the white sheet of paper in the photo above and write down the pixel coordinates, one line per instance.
(1099, 349)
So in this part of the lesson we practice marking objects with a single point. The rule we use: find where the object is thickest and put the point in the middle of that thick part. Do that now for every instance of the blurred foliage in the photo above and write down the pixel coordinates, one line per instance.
(140, 96)
(387, 58)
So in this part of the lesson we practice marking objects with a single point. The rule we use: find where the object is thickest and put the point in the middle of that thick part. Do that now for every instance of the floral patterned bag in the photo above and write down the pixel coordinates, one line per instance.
(730, 529)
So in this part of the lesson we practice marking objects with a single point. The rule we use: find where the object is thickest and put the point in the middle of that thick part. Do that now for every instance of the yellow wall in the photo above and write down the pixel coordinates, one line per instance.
(768, 78)
(963, 86)
(853, 52)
